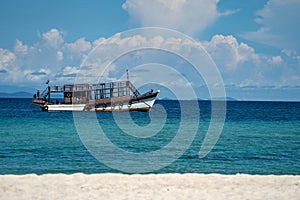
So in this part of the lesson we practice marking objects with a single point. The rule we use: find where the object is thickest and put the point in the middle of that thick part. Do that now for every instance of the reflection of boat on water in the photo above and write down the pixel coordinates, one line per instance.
(103, 97)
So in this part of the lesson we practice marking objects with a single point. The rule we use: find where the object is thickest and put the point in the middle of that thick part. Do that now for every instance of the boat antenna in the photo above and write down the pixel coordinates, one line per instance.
(127, 75)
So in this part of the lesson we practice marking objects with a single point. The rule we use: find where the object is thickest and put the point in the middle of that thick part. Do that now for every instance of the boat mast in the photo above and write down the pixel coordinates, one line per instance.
(127, 75)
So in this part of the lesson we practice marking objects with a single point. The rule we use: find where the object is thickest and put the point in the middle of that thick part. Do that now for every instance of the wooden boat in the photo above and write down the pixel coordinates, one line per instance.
(119, 96)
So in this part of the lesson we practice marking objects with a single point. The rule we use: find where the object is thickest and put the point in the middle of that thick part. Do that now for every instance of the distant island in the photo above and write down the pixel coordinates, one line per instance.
(226, 98)
(16, 95)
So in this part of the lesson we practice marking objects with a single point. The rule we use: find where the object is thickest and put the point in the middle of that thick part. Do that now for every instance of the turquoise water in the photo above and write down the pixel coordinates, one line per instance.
(257, 138)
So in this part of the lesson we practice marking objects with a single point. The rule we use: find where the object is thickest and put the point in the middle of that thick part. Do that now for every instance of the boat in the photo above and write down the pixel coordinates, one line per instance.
(120, 96)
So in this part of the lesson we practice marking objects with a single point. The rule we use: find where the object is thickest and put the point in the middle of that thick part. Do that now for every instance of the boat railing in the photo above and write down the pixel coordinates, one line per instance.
(84, 92)
(54, 89)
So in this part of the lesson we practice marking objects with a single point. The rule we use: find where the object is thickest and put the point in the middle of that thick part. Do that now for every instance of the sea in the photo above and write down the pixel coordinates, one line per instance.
(256, 138)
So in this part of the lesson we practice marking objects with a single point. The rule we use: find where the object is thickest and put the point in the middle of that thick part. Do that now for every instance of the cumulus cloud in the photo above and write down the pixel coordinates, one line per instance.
(277, 60)
(279, 22)
(240, 65)
(187, 16)
(78, 48)
(70, 71)
(67, 74)
(238, 62)
(6, 59)
(53, 38)
(145, 51)
(20, 48)
(59, 55)
(227, 52)
(80, 45)
(42, 60)
(288, 52)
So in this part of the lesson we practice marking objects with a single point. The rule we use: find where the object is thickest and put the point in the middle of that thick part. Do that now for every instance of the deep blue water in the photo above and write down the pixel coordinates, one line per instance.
(257, 138)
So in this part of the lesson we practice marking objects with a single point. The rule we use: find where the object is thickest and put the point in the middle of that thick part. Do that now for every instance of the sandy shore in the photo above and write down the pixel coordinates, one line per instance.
(163, 186)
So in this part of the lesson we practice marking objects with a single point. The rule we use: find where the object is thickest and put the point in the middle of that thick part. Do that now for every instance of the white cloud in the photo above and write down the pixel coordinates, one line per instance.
(46, 71)
(20, 48)
(77, 49)
(188, 16)
(43, 60)
(226, 51)
(241, 66)
(276, 60)
(53, 38)
(36, 75)
(6, 58)
(289, 52)
(280, 25)
(59, 55)
(69, 70)
(238, 62)
(151, 46)
(80, 45)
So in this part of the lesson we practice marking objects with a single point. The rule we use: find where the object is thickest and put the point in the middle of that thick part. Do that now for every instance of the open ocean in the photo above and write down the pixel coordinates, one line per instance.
(258, 138)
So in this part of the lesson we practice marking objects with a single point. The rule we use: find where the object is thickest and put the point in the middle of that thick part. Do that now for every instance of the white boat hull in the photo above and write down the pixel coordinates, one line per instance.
(144, 105)
(64, 107)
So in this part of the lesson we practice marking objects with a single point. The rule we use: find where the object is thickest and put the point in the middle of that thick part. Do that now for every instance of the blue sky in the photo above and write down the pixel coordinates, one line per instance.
(254, 45)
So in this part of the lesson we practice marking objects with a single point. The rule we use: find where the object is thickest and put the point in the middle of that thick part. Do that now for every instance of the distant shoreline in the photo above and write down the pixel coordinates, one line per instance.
(150, 186)
(21, 95)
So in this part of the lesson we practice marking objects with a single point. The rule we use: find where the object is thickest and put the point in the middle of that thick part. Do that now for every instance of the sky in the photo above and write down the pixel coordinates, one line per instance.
(254, 44)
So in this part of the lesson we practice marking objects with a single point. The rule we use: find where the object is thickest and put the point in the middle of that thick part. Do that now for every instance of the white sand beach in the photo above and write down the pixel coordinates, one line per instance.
(162, 186)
